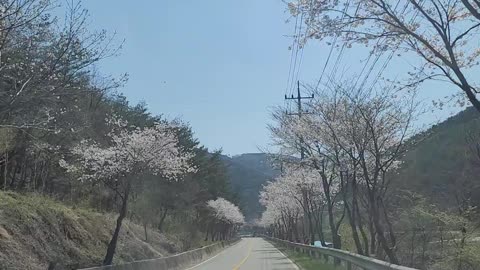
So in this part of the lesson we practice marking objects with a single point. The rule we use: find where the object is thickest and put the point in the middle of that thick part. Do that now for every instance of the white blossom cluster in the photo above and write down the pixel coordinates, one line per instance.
(287, 195)
(226, 211)
(132, 151)
(342, 133)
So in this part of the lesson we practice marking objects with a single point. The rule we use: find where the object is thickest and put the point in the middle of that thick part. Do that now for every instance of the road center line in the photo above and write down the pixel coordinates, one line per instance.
(237, 267)
(223, 251)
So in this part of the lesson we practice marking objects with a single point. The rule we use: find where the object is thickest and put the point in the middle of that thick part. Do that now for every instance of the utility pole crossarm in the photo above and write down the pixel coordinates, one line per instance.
(292, 97)
(300, 111)
(298, 100)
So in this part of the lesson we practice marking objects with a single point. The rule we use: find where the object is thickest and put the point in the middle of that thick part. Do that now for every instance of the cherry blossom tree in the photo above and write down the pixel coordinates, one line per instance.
(132, 153)
(369, 130)
(296, 193)
(353, 139)
(227, 217)
(441, 33)
(293, 135)
(282, 211)
(304, 185)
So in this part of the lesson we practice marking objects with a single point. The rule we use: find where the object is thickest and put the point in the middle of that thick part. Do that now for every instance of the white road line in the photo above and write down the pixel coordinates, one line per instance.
(223, 251)
(294, 264)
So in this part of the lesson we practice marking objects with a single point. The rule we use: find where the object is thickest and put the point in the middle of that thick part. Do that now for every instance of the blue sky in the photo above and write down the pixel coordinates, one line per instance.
(219, 65)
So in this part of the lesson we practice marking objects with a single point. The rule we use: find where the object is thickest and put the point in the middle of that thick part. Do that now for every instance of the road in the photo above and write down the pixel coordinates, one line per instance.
(248, 254)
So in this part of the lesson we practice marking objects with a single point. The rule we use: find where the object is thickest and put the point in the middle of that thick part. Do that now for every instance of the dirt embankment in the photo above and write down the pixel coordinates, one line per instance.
(36, 231)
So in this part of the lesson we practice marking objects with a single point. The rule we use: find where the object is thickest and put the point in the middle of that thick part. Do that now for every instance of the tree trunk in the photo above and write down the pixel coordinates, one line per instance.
(311, 228)
(363, 233)
(467, 88)
(145, 231)
(162, 219)
(373, 235)
(113, 243)
(5, 170)
(295, 231)
(356, 212)
(353, 225)
(381, 237)
(412, 249)
(320, 227)
(337, 243)
(351, 213)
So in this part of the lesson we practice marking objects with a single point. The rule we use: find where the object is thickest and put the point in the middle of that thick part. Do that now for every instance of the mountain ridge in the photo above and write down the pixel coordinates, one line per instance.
(248, 172)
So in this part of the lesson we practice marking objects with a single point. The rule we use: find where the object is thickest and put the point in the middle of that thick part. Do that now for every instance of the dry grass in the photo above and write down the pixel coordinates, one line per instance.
(35, 230)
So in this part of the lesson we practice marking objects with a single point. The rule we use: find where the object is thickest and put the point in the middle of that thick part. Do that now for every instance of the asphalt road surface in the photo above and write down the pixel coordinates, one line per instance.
(248, 254)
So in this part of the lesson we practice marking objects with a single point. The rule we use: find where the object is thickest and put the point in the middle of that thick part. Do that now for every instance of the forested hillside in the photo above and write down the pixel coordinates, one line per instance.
(443, 163)
(247, 173)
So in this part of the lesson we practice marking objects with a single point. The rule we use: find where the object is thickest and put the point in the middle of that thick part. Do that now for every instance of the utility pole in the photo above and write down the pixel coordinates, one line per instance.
(298, 99)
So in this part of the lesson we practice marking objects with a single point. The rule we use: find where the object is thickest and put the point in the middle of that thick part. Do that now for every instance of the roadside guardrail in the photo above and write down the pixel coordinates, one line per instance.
(175, 262)
(347, 259)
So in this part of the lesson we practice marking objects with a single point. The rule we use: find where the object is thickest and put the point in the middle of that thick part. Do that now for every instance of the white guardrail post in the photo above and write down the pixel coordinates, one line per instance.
(347, 259)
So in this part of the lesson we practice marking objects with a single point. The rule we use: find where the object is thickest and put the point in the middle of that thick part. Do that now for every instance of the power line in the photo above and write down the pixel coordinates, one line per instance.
(297, 42)
(333, 47)
(300, 63)
(292, 48)
(377, 58)
(389, 58)
(326, 62)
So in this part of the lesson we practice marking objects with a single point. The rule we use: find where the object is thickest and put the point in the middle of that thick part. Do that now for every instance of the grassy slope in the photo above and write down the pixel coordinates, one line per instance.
(35, 230)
